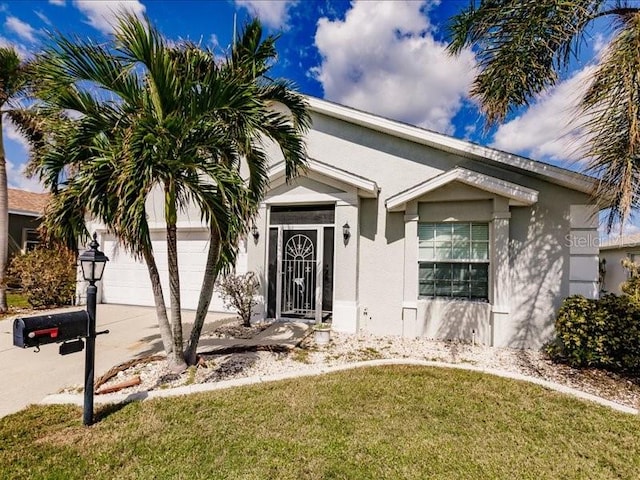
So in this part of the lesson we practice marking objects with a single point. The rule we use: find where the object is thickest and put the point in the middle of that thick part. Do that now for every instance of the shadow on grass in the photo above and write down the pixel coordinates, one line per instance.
(104, 411)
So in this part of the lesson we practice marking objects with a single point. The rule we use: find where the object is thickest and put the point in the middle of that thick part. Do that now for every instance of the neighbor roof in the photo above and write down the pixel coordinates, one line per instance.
(557, 175)
(22, 202)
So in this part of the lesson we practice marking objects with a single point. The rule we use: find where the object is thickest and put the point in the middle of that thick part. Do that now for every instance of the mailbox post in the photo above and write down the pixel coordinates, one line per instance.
(92, 262)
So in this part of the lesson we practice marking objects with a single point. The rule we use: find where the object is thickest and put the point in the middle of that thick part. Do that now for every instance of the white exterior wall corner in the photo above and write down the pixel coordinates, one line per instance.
(583, 243)
(502, 329)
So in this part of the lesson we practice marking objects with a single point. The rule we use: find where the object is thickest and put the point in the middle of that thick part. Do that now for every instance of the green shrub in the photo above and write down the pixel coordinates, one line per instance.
(239, 293)
(622, 339)
(631, 286)
(601, 333)
(47, 275)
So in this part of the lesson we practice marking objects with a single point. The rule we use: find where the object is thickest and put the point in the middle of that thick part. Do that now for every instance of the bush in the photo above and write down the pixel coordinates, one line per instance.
(631, 286)
(601, 333)
(47, 275)
(239, 293)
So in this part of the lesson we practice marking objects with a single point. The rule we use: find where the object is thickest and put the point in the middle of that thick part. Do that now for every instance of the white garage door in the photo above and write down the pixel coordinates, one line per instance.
(126, 281)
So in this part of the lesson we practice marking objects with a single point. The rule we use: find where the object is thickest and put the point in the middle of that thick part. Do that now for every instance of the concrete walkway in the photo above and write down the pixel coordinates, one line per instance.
(286, 335)
(27, 377)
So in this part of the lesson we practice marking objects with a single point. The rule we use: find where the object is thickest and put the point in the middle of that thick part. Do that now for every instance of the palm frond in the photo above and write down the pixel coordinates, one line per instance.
(612, 108)
(521, 45)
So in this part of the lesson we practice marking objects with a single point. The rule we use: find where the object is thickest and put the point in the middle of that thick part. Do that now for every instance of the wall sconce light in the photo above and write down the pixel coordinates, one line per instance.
(255, 232)
(346, 232)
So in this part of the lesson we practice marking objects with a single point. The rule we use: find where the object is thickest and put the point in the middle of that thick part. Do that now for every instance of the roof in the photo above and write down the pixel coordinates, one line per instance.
(366, 187)
(551, 173)
(22, 202)
(623, 241)
(517, 194)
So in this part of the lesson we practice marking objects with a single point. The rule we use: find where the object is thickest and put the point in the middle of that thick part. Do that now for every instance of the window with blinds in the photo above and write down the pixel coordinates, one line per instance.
(454, 260)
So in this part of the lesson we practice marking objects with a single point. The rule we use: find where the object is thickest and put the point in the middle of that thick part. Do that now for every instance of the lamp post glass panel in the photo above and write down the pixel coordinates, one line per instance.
(346, 232)
(92, 262)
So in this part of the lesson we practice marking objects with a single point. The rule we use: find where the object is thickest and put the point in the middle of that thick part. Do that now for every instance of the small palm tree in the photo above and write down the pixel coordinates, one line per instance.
(152, 115)
(522, 48)
(11, 81)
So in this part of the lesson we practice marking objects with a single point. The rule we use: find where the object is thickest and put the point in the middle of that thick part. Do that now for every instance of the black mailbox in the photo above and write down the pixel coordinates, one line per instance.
(43, 329)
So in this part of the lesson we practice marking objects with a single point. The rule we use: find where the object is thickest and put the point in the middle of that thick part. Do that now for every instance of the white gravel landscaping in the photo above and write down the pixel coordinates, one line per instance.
(345, 349)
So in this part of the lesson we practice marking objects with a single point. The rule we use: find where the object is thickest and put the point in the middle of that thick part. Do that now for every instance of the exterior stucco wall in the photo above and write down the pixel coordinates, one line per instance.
(616, 275)
(540, 258)
(539, 239)
(17, 225)
(534, 262)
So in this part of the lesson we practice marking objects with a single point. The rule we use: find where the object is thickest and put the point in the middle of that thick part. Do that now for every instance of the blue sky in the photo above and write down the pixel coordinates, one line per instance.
(384, 57)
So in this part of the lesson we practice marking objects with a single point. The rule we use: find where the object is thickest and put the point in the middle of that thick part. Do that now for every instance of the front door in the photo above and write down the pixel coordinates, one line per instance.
(300, 273)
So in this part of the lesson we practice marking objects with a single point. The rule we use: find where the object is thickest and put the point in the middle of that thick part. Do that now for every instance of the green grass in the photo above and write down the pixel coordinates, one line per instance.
(376, 423)
(17, 300)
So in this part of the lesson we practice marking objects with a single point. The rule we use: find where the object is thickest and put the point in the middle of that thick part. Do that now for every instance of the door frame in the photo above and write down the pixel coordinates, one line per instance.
(319, 229)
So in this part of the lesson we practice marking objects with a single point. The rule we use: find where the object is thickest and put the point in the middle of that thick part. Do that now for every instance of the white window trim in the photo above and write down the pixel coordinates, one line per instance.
(25, 236)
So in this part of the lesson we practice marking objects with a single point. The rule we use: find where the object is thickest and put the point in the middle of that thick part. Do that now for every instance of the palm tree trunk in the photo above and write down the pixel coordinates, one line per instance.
(174, 295)
(206, 292)
(171, 218)
(4, 224)
(158, 298)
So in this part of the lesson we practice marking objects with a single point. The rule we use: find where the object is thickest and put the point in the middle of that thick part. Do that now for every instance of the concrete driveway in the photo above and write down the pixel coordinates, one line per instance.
(27, 377)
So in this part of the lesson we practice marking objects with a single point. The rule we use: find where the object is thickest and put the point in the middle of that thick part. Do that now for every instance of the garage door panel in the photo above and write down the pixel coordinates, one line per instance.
(126, 280)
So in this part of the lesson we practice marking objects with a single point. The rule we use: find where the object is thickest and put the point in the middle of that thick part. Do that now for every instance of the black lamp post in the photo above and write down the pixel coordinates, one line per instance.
(92, 262)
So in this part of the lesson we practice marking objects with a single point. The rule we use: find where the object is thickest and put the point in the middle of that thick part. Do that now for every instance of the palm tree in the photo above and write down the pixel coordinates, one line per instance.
(249, 64)
(523, 46)
(11, 81)
(154, 115)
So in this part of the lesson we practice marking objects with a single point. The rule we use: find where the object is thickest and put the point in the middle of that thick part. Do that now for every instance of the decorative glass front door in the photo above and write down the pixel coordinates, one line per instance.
(299, 273)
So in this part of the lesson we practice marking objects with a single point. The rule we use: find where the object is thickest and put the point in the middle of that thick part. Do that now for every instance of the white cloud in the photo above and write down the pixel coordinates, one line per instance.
(599, 42)
(15, 168)
(101, 14)
(469, 130)
(17, 179)
(272, 13)
(22, 51)
(11, 132)
(550, 128)
(620, 234)
(383, 58)
(43, 17)
(59, 3)
(20, 28)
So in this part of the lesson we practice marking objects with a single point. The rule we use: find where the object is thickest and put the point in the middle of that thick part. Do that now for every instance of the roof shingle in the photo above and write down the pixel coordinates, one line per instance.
(30, 202)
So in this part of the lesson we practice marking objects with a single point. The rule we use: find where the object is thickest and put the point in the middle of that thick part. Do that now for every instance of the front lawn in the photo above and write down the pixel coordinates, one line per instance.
(391, 422)
(17, 300)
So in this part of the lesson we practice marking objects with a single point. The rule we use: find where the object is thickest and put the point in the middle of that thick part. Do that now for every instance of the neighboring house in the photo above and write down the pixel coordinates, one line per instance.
(398, 230)
(612, 252)
(25, 212)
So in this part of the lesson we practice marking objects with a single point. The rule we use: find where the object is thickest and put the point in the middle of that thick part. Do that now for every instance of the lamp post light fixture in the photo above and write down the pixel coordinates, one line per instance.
(346, 232)
(92, 262)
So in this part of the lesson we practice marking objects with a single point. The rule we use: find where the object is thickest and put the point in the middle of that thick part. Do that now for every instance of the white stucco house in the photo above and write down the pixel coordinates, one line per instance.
(612, 253)
(399, 230)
